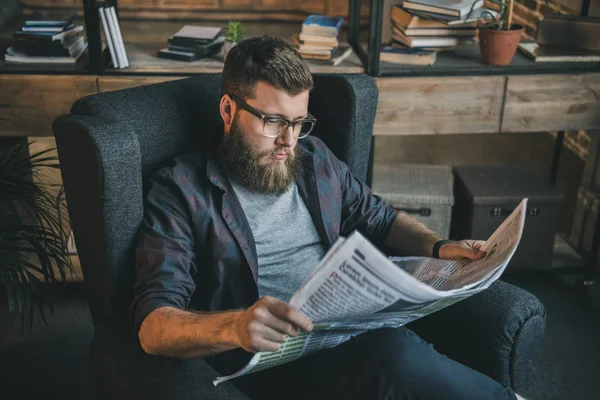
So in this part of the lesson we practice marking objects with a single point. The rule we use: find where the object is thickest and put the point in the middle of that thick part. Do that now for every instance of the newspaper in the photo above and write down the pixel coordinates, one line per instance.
(356, 288)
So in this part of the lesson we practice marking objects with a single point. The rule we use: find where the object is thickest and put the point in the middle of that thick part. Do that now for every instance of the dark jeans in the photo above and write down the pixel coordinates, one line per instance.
(380, 364)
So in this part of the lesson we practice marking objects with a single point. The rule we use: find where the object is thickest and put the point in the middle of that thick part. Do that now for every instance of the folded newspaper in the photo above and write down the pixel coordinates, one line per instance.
(356, 288)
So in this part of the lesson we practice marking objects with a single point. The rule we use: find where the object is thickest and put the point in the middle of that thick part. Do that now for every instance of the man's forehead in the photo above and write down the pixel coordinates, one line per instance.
(273, 100)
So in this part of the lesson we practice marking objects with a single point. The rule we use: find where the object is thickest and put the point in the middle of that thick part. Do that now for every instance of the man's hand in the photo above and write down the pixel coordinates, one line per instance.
(265, 325)
(462, 249)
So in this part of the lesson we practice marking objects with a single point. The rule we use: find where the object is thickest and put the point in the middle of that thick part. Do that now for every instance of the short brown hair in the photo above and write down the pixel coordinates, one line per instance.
(268, 59)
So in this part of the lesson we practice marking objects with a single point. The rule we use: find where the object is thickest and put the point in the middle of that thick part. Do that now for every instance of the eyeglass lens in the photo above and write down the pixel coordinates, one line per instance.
(275, 127)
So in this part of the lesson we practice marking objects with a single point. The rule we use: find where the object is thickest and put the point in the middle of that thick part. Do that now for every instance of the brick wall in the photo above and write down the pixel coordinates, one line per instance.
(578, 142)
(529, 13)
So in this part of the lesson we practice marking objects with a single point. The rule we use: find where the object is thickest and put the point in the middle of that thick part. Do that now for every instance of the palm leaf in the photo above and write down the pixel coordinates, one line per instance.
(33, 238)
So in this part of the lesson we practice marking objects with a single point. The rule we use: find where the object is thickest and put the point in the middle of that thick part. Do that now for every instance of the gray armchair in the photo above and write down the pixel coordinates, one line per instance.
(109, 145)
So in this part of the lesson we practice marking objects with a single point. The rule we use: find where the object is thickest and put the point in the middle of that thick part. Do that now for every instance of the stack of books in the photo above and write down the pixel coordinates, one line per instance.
(112, 34)
(318, 39)
(193, 42)
(422, 27)
(47, 42)
(565, 38)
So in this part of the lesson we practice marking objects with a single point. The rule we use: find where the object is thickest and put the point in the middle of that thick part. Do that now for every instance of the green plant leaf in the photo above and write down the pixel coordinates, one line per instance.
(37, 288)
(10, 292)
(32, 227)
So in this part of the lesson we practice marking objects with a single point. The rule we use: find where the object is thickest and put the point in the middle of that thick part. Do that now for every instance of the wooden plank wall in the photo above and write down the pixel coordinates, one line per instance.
(423, 106)
(407, 106)
(291, 10)
(552, 103)
(39, 99)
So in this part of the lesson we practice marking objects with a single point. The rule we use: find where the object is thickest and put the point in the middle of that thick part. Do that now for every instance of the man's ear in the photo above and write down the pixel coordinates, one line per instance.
(227, 110)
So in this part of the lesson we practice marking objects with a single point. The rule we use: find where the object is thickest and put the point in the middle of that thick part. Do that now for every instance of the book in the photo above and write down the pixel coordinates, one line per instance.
(454, 8)
(542, 53)
(33, 25)
(14, 56)
(408, 19)
(115, 27)
(445, 31)
(192, 53)
(570, 31)
(397, 55)
(179, 55)
(335, 57)
(58, 48)
(193, 34)
(471, 18)
(48, 36)
(110, 40)
(318, 40)
(429, 41)
(322, 25)
(46, 28)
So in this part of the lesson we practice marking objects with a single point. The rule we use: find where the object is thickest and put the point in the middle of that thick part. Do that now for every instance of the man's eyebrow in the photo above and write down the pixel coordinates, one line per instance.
(285, 117)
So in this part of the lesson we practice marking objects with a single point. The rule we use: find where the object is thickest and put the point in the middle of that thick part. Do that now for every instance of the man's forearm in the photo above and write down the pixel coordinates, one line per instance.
(172, 332)
(409, 237)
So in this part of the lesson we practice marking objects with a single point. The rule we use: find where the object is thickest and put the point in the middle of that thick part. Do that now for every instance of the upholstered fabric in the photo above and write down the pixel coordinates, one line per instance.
(112, 141)
(497, 332)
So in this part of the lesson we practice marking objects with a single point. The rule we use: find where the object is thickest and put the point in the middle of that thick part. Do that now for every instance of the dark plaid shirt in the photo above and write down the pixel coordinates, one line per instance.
(196, 249)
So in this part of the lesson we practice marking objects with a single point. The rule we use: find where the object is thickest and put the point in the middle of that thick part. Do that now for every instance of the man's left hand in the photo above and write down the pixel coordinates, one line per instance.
(462, 249)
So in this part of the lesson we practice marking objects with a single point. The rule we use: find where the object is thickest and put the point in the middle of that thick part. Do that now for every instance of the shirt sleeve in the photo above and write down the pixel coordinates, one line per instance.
(361, 209)
(164, 252)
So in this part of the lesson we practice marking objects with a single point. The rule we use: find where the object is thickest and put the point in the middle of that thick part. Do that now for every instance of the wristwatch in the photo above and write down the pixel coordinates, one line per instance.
(437, 245)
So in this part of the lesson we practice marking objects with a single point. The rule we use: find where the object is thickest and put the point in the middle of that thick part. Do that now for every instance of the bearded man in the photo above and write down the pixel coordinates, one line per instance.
(229, 235)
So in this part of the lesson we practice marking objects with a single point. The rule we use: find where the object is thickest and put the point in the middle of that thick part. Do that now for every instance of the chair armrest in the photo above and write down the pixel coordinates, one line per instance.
(496, 332)
(120, 369)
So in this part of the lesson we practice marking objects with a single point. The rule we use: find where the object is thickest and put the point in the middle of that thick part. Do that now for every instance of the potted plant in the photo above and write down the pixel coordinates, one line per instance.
(234, 34)
(33, 241)
(499, 37)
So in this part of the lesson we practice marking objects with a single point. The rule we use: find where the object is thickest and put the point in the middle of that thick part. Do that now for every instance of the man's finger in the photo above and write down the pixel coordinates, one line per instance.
(271, 334)
(261, 344)
(284, 311)
(458, 251)
(472, 254)
(280, 325)
(477, 245)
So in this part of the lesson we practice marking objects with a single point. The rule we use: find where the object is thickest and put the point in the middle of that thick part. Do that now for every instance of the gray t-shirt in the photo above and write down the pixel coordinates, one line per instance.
(287, 243)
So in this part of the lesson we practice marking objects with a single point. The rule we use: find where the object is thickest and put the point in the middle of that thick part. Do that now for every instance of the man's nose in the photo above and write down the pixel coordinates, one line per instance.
(287, 138)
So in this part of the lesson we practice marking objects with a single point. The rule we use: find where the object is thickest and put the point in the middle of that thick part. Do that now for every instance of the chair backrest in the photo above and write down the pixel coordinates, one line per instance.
(112, 141)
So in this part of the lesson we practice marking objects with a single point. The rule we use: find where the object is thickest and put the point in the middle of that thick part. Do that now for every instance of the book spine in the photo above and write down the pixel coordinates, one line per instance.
(117, 29)
(109, 39)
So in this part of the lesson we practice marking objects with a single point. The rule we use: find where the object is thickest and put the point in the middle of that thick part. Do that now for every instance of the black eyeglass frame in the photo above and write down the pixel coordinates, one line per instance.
(247, 107)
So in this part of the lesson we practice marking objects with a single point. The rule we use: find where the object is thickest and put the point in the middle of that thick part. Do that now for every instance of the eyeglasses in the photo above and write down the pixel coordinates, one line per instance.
(276, 126)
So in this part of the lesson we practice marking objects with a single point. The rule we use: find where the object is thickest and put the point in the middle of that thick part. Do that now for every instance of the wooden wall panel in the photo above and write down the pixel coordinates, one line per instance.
(43, 99)
(110, 83)
(411, 106)
(187, 4)
(239, 3)
(138, 3)
(552, 102)
(331, 7)
(52, 3)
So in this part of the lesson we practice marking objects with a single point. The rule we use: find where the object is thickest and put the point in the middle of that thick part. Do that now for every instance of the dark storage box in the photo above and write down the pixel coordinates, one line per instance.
(486, 195)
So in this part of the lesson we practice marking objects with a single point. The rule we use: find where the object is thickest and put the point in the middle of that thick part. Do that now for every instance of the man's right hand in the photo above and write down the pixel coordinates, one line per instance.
(265, 325)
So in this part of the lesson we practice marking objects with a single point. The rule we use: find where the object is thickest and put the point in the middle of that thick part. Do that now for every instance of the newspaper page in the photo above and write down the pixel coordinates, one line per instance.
(356, 288)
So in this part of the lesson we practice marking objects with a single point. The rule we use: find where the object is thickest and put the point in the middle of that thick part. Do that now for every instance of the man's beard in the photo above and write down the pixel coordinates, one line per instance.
(243, 165)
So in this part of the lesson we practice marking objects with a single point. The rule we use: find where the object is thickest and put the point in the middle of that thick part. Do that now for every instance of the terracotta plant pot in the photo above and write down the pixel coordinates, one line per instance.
(499, 47)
